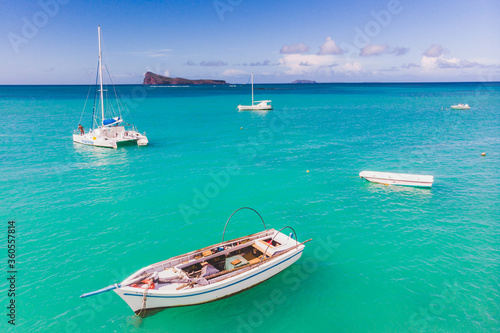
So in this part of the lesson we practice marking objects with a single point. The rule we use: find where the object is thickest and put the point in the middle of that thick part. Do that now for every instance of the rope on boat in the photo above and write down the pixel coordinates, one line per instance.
(235, 213)
(145, 296)
(87, 99)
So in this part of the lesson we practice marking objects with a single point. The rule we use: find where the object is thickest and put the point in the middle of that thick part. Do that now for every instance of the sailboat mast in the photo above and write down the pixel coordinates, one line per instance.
(252, 88)
(100, 74)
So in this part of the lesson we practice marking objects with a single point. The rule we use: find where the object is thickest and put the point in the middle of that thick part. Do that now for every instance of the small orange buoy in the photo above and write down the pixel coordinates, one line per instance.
(483, 154)
(241, 127)
(307, 171)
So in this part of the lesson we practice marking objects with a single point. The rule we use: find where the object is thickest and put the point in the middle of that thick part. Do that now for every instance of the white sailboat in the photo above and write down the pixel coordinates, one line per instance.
(256, 105)
(110, 132)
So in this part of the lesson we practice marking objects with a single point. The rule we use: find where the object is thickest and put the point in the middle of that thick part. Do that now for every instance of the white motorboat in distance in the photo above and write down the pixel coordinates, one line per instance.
(391, 178)
(107, 132)
(256, 105)
(460, 107)
(210, 273)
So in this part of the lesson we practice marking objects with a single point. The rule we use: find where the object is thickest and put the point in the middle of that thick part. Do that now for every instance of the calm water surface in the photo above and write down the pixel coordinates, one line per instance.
(382, 259)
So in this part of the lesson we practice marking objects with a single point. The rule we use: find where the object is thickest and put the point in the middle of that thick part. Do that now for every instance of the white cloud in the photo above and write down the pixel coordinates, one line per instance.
(259, 63)
(294, 48)
(373, 50)
(166, 73)
(319, 65)
(436, 63)
(410, 65)
(456, 63)
(351, 68)
(234, 72)
(213, 63)
(305, 63)
(329, 47)
(435, 51)
(399, 51)
(378, 49)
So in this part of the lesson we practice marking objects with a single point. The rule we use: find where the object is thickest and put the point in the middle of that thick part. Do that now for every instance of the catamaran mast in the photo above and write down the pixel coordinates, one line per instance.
(252, 88)
(100, 75)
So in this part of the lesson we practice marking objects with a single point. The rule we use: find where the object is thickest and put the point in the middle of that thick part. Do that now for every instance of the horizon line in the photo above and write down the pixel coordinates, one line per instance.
(299, 84)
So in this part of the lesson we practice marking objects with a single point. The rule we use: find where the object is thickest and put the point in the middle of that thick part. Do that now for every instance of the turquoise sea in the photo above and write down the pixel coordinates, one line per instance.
(382, 259)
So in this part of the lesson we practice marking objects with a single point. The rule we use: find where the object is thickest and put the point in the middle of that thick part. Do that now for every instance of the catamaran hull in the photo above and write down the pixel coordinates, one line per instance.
(108, 143)
(156, 299)
(94, 141)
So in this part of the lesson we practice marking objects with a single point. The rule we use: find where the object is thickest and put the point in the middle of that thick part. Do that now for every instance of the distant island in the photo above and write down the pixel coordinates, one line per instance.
(152, 79)
(303, 82)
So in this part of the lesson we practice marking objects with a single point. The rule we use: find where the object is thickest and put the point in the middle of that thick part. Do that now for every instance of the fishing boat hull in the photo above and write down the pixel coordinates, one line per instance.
(161, 300)
(403, 179)
(236, 265)
(211, 273)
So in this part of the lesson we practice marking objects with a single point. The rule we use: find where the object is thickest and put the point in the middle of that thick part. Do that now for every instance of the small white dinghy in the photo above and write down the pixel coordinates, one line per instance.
(211, 273)
(460, 107)
(391, 178)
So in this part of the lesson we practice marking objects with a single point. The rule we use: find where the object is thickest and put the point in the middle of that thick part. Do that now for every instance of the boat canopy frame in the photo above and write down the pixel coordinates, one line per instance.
(224, 232)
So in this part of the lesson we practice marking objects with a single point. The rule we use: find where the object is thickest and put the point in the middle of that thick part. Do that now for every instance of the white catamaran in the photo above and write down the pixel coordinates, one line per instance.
(210, 273)
(110, 132)
(256, 105)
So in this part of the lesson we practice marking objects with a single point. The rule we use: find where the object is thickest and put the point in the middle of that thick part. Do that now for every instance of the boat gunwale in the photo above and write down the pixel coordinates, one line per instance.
(214, 286)
(190, 255)
(229, 273)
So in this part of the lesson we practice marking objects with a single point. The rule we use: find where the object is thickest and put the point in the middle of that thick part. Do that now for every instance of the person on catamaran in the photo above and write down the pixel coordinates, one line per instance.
(82, 130)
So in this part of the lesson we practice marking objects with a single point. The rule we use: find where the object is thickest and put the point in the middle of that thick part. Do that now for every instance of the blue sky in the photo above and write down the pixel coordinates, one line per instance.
(55, 41)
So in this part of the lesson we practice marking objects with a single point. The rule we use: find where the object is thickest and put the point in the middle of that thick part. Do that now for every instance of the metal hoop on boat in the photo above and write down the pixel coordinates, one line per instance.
(269, 244)
(234, 213)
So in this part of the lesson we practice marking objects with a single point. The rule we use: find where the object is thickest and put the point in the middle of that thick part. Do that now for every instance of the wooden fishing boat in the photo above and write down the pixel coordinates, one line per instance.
(210, 273)
(391, 178)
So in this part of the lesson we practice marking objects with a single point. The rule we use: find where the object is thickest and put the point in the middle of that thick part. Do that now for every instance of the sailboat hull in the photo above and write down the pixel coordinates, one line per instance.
(257, 105)
(253, 108)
